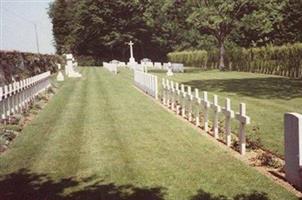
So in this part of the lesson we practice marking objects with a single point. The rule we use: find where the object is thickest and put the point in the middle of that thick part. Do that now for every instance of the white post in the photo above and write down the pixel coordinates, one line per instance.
(243, 121)
(206, 106)
(229, 114)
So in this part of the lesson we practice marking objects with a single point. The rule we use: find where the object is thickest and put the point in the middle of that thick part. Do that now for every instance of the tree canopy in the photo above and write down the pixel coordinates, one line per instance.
(101, 29)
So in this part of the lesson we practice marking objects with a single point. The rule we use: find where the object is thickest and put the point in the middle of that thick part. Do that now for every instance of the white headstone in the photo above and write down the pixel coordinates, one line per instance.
(183, 107)
(198, 101)
(206, 106)
(229, 114)
(293, 148)
(243, 121)
(217, 109)
(169, 72)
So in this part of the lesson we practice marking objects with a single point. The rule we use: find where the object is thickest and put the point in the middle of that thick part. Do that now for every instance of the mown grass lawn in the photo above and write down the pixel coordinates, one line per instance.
(267, 99)
(100, 138)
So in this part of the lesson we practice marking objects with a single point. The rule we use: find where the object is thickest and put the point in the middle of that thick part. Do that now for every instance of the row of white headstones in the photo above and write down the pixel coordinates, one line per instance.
(146, 82)
(112, 67)
(183, 102)
(15, 97)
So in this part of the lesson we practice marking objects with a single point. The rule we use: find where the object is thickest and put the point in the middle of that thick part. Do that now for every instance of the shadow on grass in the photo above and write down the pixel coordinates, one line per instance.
(24, 185)
(202, 195)
(261, 88)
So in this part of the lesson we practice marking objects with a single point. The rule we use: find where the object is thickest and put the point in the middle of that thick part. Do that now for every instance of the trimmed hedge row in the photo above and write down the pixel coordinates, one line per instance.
(198, 58)
(283, 60)
(19, 65)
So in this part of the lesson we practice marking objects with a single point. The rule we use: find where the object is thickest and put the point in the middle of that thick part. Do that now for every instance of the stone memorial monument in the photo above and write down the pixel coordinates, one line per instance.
(70, 65)
(293, 148)
(131, 59)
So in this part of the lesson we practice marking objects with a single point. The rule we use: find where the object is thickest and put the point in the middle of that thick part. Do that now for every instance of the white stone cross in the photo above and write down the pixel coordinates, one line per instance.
(217, 109)
(243, 121)
(229, 114)
(206, 106)
(184, 94)
(198, 100)
(131, 59)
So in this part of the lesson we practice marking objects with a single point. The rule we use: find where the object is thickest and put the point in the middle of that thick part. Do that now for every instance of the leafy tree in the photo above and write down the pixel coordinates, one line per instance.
(220, 18)
(58, 12)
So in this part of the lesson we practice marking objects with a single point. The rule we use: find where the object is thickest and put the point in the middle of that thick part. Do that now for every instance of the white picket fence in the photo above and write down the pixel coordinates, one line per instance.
(112, 67)
(146, 82)
(196, 110)
(16, 96)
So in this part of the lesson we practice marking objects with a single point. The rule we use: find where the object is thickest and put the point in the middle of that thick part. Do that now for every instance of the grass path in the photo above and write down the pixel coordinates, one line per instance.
(100, 138)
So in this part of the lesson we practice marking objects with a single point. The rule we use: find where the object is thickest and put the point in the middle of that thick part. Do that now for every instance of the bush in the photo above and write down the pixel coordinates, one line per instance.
(19, 65)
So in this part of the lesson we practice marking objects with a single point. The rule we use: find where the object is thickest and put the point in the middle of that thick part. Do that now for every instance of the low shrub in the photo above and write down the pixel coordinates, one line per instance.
(16, 65)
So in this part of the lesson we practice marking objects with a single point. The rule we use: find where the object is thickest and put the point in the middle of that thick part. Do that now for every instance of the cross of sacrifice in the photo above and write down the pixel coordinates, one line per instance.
(164, 91)
(183, 107)
(217, 109)
(131, 49)
(168, 93)
(243, 121)
(229, 114)
(190, 101)
(198, 100)
(206, 106)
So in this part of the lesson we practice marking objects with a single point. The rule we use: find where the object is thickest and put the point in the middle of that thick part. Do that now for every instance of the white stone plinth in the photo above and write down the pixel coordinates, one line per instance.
(60, 76)
(293, 148)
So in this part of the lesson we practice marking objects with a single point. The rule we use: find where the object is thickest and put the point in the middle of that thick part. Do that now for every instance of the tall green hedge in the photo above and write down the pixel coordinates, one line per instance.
(18, 65)
(283, 60)
(197, 58)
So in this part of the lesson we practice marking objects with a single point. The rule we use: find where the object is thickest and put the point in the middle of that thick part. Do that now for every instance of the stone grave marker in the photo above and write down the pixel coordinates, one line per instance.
(293, 148)
(243, 121)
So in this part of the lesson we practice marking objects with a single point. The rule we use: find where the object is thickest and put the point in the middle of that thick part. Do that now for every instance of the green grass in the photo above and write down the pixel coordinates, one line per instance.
(100, 138)
(267, 99)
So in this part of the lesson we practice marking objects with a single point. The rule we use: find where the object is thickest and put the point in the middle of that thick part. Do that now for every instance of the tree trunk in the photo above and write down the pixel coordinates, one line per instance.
(221, 55)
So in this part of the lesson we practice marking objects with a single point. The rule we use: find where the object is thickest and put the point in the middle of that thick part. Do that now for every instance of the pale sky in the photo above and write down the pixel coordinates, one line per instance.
(17, 19)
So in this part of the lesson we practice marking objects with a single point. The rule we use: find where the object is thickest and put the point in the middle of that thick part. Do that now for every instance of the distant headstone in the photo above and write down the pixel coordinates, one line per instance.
(170, 73)
(293, 148)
